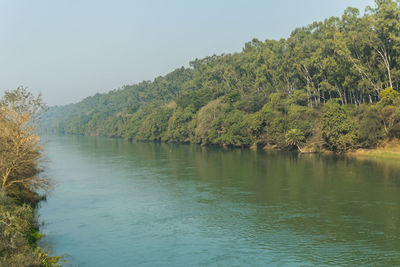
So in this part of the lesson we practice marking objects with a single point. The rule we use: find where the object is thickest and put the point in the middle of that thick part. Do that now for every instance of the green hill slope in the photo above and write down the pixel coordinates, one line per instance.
(332, 85)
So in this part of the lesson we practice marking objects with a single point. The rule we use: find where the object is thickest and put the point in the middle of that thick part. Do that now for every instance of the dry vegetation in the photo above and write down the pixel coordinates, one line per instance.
(20, 173)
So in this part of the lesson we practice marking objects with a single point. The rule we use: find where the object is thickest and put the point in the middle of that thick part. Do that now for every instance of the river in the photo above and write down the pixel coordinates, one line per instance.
(117, 203)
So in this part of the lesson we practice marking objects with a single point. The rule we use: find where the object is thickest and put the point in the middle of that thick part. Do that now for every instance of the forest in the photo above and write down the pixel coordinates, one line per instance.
(330, 86)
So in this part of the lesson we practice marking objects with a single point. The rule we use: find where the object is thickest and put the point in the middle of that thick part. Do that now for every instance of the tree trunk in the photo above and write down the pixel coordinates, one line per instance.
(386, 60)
(299, 148)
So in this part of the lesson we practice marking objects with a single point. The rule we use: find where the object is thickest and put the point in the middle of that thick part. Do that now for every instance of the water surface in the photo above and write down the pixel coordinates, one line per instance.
(117, 203)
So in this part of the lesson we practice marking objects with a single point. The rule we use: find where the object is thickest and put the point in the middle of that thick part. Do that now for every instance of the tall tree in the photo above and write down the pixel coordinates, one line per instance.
(19, 145)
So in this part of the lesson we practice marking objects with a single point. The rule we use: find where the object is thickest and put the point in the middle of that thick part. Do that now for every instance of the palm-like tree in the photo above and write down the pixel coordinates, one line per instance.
(295, 137)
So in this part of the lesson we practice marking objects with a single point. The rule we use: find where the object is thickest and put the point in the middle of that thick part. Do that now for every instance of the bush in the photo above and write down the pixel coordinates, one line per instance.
(338, 129)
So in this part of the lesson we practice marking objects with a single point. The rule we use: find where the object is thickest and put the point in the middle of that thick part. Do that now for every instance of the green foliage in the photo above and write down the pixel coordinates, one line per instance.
(370, 129)
(155, 125)
(18, 236)
(338, 129)
(179, 125)
(204, 120)
(336, 82)
(295, 137)
(302, 118)
(20, 156)
(231, 128)
(389, 107)
(299, 98)
(389, 97)
(391, 120)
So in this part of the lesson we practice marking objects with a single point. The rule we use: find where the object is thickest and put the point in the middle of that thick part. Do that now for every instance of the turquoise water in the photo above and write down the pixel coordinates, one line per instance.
(117, 203)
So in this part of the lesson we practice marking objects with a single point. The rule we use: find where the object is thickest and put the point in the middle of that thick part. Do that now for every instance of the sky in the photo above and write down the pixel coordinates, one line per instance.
(71, 49)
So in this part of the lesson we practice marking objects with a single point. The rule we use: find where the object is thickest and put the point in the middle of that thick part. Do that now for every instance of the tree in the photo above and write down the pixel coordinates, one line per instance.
(370, 130)
(338, 129)
(20, 158)
(277, 85)
(389, 106)
(389, 97)
(156, 124)
(295, 137)
(19, 146)
(178, 125)
(386, 23)
(230, 128)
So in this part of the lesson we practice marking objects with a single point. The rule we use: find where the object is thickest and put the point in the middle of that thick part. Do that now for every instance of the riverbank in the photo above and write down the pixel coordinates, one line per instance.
(389, 150)
(22, 182)
(385, 150)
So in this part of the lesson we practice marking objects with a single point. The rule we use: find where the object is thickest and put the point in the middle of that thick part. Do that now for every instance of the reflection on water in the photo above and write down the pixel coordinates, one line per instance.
(122, 204)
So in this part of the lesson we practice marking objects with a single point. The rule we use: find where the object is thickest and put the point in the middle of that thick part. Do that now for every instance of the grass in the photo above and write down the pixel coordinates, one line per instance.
(387, 150)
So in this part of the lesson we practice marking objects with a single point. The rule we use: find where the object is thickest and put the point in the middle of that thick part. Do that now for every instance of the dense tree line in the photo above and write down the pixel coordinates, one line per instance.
(20, 157)
(331, 85)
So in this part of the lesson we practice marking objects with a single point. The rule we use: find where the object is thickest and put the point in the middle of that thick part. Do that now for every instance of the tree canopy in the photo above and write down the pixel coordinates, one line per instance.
(319, 84)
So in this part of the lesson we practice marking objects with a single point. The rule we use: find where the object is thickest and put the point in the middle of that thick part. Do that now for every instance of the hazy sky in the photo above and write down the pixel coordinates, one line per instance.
(70, 49)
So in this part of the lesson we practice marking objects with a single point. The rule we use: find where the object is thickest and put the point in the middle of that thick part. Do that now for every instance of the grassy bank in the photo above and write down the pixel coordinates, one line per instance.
(387, 150)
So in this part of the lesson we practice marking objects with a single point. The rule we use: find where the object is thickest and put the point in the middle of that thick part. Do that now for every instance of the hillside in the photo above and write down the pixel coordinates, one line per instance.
(331, 85)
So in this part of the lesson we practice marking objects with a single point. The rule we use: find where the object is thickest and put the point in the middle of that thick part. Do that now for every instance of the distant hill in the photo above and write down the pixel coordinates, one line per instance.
(332, 85)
